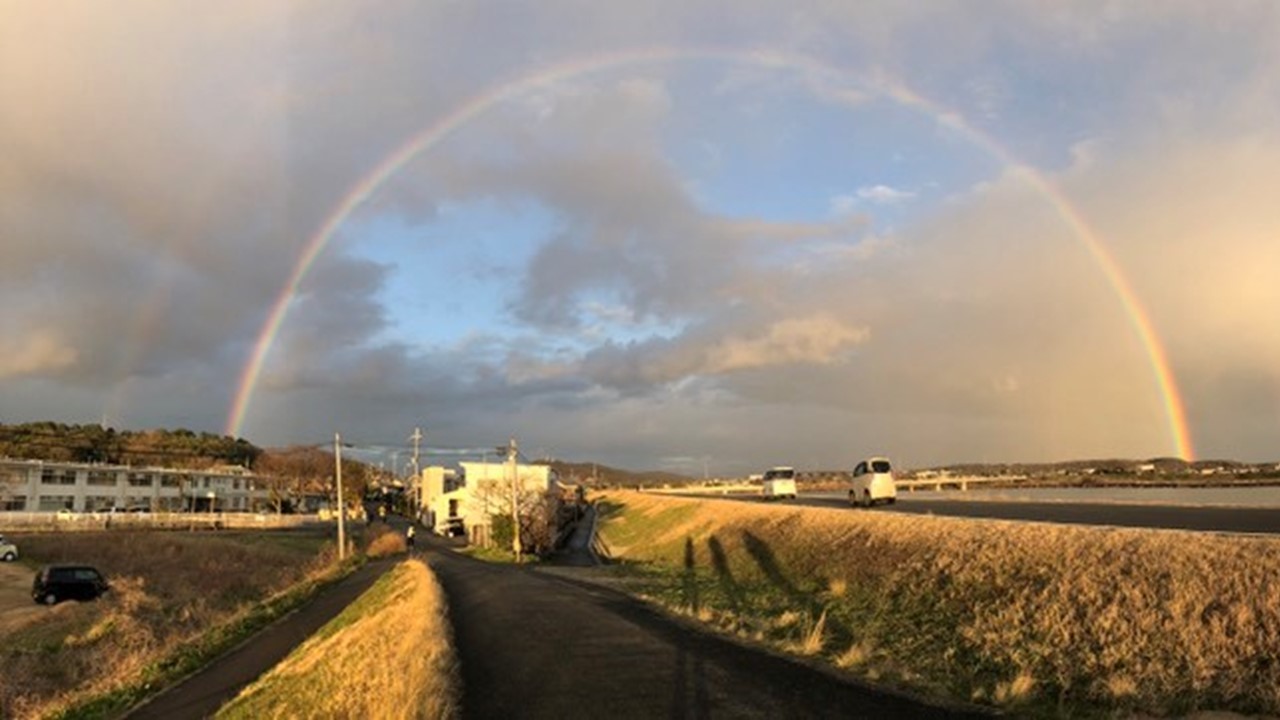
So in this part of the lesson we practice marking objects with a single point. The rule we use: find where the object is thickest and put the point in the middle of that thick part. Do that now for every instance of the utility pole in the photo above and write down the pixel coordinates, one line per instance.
(342, 509)
(416, 487)
(515, 500)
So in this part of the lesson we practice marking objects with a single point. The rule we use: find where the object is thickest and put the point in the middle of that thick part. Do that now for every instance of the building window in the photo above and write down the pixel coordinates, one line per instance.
(141, 480)
(15, 503)
(53, 503)
(50, 476)
(95, 503)
(169, 481)
(100, 478)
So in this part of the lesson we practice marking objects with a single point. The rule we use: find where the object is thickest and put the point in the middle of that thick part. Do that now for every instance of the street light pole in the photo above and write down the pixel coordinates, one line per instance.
(515, 501)
(415, 488)
(342, 510)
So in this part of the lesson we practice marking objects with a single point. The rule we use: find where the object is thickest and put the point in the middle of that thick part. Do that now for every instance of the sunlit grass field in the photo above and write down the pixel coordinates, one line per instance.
(177, 599)
(1043, 619)
(388, 655)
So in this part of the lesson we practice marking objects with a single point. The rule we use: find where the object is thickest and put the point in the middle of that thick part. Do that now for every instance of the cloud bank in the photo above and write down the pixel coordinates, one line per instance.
(741, 264)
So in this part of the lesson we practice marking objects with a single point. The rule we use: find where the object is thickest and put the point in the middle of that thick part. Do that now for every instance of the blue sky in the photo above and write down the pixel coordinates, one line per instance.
(679, 258)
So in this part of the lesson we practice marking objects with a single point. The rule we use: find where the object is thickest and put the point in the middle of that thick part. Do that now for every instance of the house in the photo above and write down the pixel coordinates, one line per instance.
(477, 491)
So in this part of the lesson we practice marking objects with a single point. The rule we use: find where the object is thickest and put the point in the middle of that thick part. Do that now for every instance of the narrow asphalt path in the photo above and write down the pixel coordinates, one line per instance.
(534, 645)
(201, 694)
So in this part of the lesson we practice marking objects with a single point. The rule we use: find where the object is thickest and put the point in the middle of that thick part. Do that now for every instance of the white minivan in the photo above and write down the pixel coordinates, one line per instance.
(873, 483)
(779, 482)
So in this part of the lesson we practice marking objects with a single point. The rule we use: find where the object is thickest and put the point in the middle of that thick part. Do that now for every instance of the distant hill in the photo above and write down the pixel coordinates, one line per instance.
(180, 448)
(597, 475)
(1162, 466)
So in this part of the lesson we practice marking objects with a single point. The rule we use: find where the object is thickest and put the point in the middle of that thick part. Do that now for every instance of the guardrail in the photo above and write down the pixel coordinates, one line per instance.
(961, 482)
(957, 482)
(81, 522)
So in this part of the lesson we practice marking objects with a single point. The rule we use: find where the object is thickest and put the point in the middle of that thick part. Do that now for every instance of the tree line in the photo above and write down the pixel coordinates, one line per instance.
(181, 448)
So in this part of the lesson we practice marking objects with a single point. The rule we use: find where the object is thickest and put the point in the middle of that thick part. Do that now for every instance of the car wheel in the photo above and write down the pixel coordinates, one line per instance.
(867, 501)
(10, 557)
(50, 599)
(892, 500)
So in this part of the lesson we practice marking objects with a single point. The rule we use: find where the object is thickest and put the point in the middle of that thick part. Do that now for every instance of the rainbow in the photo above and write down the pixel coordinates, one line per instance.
(477, 105)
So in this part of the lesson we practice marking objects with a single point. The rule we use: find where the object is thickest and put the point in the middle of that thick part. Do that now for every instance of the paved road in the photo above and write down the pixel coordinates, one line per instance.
(201, 694)
(537, 645)
(1180, 517)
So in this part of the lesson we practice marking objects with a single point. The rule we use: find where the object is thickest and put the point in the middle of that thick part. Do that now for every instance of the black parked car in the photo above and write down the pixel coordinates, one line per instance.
(55, 583)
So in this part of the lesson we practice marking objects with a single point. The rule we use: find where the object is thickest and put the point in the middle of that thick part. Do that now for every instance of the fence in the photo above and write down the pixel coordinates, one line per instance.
(80, 522)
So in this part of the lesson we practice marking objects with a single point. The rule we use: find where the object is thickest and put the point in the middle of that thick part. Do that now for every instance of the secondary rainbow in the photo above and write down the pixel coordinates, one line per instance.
(432, 135)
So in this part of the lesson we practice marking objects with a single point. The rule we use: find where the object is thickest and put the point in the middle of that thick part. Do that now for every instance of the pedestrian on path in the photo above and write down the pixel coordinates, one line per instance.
(408, 537)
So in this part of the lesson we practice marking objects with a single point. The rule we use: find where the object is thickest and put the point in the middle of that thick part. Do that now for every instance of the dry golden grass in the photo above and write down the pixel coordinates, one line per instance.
(166, 589)
(389, 656)
(382, 541)
(1068, 617)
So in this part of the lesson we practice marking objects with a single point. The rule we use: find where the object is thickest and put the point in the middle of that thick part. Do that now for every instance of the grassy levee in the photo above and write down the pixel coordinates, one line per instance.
(178, 600)
(1049, 620)
(388, 655)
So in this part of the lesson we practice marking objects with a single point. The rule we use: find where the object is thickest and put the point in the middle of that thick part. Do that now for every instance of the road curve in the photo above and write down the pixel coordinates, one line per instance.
(1171, 517)
(537, 645)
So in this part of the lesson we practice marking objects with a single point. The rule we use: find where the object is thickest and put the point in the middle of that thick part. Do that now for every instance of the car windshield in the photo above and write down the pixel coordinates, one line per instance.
(880, 466)
(780, 474)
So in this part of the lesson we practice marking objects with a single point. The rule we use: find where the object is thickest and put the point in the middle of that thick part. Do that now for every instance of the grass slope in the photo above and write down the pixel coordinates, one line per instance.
(1050, 620)
(388, 655)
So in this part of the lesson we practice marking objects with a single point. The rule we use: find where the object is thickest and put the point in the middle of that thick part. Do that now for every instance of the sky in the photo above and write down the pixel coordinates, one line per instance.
(663, 235)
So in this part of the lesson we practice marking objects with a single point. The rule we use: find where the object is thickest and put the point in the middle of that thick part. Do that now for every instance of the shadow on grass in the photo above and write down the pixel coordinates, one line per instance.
(689, 578)
(760, 551)
(728, 584)
(808, 600)
(599, 546)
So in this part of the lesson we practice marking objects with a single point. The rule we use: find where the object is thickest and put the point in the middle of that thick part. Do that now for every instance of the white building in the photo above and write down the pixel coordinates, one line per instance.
(478, 491)
(41, 486)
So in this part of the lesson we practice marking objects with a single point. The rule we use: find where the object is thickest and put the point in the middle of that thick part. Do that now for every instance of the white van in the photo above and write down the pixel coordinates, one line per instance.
(779, 482)
(873, 483)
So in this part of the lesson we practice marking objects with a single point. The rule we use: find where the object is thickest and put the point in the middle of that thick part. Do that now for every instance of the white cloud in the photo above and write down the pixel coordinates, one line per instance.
(858, 200)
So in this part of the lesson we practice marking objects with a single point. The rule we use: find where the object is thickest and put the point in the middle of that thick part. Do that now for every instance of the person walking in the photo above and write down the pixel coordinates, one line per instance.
(408, 537)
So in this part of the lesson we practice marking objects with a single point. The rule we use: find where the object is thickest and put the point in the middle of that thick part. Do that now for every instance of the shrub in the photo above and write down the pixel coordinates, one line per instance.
(383, 541)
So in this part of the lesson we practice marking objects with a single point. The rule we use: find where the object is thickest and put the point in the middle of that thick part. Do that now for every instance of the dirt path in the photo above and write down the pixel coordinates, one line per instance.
(538, 645)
